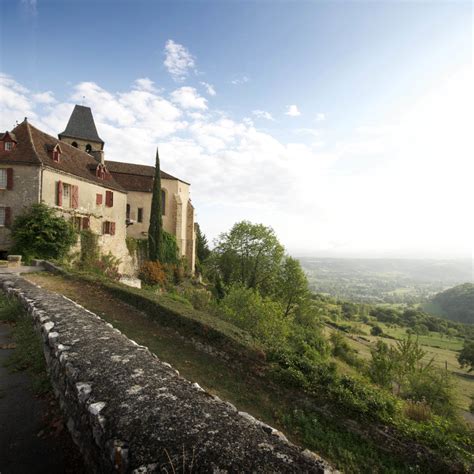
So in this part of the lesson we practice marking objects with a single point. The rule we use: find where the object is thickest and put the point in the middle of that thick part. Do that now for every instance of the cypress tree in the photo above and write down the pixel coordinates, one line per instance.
(155, 230)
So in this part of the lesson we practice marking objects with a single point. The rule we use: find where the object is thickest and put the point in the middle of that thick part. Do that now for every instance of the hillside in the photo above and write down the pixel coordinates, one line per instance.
(382, 280)
(456, 304)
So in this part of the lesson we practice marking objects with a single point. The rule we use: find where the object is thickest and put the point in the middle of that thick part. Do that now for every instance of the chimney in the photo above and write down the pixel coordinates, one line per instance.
(98, 155)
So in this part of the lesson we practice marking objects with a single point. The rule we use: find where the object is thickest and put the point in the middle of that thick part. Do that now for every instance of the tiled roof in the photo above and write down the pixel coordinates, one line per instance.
(34, 147)
(81, 125)
(134, 177)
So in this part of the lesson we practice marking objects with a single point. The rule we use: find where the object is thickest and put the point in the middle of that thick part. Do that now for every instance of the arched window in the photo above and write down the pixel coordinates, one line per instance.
(88, 148)
(163, 202)
(74, 144)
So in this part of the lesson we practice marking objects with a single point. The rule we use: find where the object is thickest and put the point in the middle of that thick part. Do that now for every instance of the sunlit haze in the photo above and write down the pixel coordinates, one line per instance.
(347, 127)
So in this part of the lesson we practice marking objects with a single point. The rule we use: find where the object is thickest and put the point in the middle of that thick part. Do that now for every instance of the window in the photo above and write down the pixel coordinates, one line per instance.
(67, 193)
(5, 216)
(98, 199)
(8, 146)
(109, 198)
(3, 178)
(88, 148)
(128, 212)
(108, 228)
(140, 214)
(74, 144)
(163, 202)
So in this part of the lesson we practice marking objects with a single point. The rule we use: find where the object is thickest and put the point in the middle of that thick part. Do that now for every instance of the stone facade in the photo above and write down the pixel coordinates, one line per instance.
(24, 193)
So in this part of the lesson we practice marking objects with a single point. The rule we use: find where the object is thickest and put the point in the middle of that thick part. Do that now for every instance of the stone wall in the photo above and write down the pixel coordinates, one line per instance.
(128, 411)
(25, 192)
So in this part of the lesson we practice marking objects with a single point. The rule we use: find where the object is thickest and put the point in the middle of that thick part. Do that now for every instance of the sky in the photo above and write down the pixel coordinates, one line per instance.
(346, 126)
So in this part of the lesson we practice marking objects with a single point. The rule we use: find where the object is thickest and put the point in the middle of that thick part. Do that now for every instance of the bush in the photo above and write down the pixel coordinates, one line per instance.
(170, 248)
(200, 299)
(376, 331)
(152, 273)
(39, 233)
(417, 410)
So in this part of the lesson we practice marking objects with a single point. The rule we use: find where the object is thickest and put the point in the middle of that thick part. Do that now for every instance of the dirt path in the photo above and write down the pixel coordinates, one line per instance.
(33, 438)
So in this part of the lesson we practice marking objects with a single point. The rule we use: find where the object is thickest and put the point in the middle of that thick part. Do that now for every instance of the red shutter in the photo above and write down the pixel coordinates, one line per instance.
(98, 199)
(75, 197)
(9, 178)
(109, 198)
(8, 216)
(85, 223)
(112, 228)
(60, 193)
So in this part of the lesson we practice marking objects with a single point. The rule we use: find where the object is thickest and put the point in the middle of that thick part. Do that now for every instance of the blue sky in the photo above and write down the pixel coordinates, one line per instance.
(344, 94)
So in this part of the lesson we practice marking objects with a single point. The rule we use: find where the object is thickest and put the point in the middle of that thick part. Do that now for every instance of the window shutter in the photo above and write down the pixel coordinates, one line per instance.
(75, 197)
(60, 193)
(85, 223)
(9, 178)
(98, 199)
(112, 228)
(109, 198)
(8, 216)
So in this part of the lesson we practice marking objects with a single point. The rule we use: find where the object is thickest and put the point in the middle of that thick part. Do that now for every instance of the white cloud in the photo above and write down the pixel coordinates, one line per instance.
(145, 84)
(188, 98)
(44, 98)
(209, 88)
(240, 80)
(262, 114)
(404, 187)
(292, 111)
(320, 117)
(178, 60)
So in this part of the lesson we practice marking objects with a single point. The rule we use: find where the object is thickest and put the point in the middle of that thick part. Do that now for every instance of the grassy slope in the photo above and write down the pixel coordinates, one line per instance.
(242, 385)
(443, 349)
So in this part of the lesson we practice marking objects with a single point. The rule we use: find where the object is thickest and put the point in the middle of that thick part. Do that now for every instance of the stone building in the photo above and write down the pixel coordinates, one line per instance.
(113, 199)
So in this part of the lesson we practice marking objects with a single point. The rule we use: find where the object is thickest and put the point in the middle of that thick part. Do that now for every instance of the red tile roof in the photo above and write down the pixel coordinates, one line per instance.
(34, 148)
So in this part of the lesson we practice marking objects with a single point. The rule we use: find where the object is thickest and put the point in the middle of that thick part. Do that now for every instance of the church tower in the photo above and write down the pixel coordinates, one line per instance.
(81, 131)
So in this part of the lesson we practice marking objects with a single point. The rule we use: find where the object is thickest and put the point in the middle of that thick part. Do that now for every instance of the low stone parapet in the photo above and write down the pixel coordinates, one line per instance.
(128, 411)
(14, 261)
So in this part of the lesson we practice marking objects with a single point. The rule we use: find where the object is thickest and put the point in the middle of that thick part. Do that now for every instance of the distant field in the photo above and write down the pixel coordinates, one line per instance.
(384, 280)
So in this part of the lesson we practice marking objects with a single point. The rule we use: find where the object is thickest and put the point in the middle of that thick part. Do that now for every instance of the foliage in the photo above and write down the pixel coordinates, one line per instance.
(382, 365)
(152, 273)
(155, 230)
(39, 233)
(199, 298)
(417, 410)
(89, 248)
(457, 303)
(342, 350)
(376, 331)
(291, 286)
(202, 246)
(170, 251)
(466, 356)
(28, 354)
(249, 255)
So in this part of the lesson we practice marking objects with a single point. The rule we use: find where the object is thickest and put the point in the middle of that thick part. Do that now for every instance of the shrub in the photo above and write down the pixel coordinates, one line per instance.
(417, 410)
(200, 299)
(170, 248)
(152, 273)
(39, 233)
(376, 331)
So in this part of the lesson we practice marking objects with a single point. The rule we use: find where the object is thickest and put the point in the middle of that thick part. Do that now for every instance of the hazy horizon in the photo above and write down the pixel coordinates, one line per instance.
(347, 127)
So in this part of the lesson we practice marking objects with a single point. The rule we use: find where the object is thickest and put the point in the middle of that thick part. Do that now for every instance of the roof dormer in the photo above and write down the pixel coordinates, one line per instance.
(55, 152)
(7, 141)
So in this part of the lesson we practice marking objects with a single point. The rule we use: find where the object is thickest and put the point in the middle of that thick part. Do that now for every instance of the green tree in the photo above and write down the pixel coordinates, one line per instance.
(202, 246)
(39, 233)
(155, 230)
(292, 286)
(382, 365)
(250, 255)
(376, 331)
(466, 356)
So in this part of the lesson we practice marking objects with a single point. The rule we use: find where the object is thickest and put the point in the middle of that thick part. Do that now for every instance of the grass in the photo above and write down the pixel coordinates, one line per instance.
(242, 382)
(28, 353)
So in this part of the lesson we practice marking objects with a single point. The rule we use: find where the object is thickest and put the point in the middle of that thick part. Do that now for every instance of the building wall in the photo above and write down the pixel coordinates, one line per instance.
(178, 219)
(97, 213)
(25, 192)
(81, 144)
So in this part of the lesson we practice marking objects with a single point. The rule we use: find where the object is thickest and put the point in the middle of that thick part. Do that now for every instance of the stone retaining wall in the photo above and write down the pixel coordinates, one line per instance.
(130, 412)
